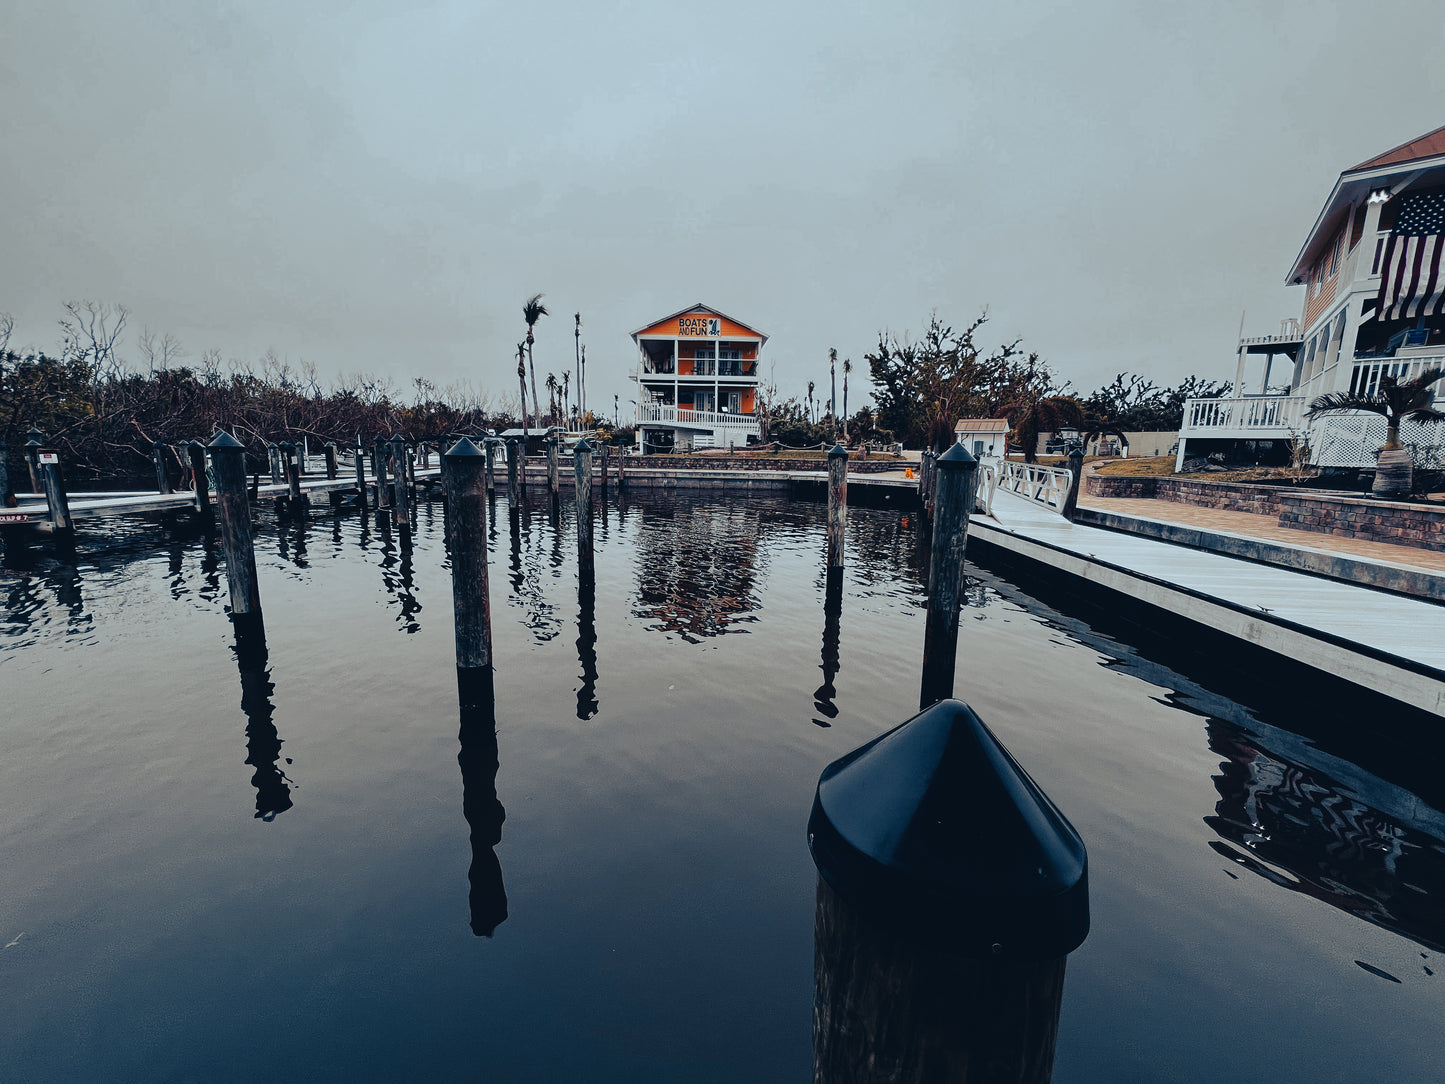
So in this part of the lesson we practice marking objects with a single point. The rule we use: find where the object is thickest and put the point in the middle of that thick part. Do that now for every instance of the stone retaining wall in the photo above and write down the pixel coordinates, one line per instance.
(1347, 517)
(876, 465)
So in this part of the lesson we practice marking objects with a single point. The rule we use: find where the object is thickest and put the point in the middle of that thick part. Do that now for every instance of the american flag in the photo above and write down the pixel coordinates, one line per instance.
(1411, 284)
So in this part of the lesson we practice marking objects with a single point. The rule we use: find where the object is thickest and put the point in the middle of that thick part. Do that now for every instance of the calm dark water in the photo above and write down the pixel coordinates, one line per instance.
(219, 872)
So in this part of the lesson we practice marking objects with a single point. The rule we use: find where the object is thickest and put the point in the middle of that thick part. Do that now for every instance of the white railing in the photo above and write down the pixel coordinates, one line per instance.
(1365, 378)
(658, 413)
(1265, 414)
(1048, 486)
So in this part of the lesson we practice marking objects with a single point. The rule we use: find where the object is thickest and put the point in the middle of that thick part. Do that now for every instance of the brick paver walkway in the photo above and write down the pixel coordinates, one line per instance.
(1265, 527)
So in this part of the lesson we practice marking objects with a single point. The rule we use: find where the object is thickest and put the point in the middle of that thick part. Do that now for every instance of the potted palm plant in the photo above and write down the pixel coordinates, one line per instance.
(1413, 400)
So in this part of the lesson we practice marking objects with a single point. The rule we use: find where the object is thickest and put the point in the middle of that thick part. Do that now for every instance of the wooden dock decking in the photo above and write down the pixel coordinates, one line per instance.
(1386, 643)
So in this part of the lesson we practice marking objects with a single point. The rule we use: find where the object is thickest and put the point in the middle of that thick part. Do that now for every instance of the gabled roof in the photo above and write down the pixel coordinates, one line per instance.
(981, 425)
(700, 307)
(1428, 145)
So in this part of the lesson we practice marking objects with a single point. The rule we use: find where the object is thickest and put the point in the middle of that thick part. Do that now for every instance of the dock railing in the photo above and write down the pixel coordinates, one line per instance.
(1048, 486)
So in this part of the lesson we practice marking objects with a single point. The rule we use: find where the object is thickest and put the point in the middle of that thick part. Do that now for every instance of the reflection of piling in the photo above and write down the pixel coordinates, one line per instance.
(228, 464)
(158, 460)
(263, 743)
(400, 501)
(513, 484)
(1071, 502)
(950, 892)
(330, 453)
(957, 475)
(196, 451)
(837, 506)
(484, 813)
(587, 646)
(52, 480)
(824, 695)
(466, 499)
(583, 467)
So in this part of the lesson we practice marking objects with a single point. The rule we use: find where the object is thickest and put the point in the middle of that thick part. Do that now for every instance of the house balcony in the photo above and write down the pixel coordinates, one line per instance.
(738, 426)
(1251, 417)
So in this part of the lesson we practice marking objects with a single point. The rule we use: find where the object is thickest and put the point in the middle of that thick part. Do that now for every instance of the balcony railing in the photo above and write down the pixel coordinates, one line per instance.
(1262, 415)
(659, 413)
(1365, 378)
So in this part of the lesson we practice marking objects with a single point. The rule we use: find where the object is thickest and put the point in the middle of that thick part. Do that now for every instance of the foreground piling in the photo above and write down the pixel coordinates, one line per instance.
(553, 481)
(329, 451)
(837, 507)
(582, 465)
(52, 480)
(1071, 502)
(950, 892)
(956, 478)
(466, 496)
(158, 459)
(228, 464)
(401, 501)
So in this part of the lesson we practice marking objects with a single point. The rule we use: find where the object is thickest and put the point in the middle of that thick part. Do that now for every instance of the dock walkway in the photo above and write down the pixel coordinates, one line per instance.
(1385, 642)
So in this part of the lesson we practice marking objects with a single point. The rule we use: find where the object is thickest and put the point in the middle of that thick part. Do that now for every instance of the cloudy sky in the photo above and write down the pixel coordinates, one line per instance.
(379, 187)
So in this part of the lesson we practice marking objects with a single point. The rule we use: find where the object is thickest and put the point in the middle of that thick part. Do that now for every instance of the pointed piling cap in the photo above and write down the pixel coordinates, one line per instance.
(838, 450)
(464, 447)
(584, 445)
(957, 458)
(934, 829)
(224, 442)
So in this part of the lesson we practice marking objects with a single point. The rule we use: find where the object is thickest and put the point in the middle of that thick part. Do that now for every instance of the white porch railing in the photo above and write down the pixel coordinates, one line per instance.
(657, 413)
(1254, 415)
(1365, 377)
(1048, 486)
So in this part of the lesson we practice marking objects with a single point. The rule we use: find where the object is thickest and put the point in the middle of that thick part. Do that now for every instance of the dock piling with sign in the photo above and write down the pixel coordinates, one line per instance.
(52, 479)
(950, 892)
(228, 464)
(296, 497)
(956, 476)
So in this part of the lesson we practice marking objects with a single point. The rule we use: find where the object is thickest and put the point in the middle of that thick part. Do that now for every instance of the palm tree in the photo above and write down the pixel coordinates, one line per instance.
(810, 402)
(847, 368)
(552, 395)
(533, 311)
(522, 382)
(1395, 402)
(582, 383)
(577, 351)
(567, 394)
(1048, 414)
(833, 385)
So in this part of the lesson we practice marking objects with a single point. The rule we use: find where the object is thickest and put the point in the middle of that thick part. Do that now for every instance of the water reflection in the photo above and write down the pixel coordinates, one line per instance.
(697, 569)
(587, 705)
(263, 743)
(478, 759)
(397, 575)
(1301, 830)
(527, 593)
(823, 696)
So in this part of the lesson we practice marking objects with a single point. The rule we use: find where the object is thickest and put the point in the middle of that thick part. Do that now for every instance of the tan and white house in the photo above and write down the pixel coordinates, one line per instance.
(1374, 306)
(698, 378)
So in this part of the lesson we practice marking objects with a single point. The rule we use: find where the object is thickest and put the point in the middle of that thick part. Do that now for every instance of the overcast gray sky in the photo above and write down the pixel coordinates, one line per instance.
(380, 187)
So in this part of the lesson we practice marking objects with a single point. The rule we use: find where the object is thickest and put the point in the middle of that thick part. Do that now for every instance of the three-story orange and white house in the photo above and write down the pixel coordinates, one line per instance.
(698, 381)
(1374, 307)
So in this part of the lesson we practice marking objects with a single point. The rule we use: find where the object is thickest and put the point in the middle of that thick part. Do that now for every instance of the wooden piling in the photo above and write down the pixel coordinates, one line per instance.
(52, 480)
(7, 493)
(837, 506)
(401, 502)
(606, 462)
(358, 462)
(158, 460)
(273, 454)
(409, 454)
(491, 452)
(553, 482)
(228, 464)
(383, 488)
(950, 892)
(196, 452)
(957, 478)
(34, 438)
(513, 485)
(1071, 502)
(466, 529)
(582, 466)
(291, 462)
(330, 453)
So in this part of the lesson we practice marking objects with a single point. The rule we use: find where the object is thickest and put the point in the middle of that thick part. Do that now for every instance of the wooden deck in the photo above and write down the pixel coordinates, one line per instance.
(1387, 643)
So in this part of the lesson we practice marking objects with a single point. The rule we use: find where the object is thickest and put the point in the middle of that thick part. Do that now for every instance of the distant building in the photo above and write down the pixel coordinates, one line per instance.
(982, 436)
(698, 374)
(1374, 306)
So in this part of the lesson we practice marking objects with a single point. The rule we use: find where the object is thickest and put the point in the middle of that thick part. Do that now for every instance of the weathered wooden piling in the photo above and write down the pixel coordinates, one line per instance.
(409, 454)
(383, 488)
(291, 463)
(606, 462)
(553, 482)
(1071, 502)
(582, 466)
(466, 497)
(158, 460)
(837, 506)
(52, 480)
(7, 492)
(621, 470)
(34, 438)
(401, 502)
(950, 892)
(513, 483)
(490, 446)
(273, 458)
(329, 451)
(358, 462)
(228, 465)
(957, 479)
(196, 453)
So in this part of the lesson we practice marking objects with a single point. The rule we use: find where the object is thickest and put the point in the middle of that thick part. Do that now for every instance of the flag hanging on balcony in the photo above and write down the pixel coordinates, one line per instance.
(1411, 283)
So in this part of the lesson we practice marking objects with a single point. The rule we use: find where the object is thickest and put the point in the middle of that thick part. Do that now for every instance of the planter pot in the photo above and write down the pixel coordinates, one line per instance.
(1394, 474)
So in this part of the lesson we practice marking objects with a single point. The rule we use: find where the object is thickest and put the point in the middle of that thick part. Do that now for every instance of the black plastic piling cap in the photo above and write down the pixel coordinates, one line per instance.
(838, 450)
(224, 442)
(584, 445)
(36, 438)
(464, 447)
(935, 830)
(957, 458)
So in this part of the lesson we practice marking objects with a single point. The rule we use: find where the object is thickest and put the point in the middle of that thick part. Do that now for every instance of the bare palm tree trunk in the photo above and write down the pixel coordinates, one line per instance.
(536, 408)
(522, 383)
